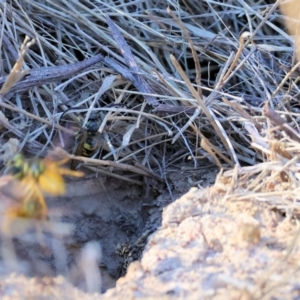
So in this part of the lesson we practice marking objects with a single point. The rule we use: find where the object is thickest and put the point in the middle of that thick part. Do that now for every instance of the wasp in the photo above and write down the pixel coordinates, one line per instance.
(22, 203)
(19, 205)
(88, 139)
(37, 177)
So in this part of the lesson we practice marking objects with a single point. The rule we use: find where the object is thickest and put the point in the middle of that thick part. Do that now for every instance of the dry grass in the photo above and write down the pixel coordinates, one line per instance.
(199, 80)
(191, 80)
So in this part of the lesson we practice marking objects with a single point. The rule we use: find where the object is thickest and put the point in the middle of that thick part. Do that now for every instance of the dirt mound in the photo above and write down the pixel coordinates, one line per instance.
(207, 248)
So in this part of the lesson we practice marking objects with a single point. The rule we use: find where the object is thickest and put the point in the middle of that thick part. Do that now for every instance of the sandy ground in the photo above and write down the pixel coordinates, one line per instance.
(205, 247)
(91, 238)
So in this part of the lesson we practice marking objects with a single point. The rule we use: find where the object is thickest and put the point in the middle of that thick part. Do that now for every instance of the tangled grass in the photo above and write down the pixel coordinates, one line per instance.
(174, 82)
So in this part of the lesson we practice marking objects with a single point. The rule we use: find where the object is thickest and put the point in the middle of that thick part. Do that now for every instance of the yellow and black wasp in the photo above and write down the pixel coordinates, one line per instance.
(88, 139)
(37, 177)
(27, 182)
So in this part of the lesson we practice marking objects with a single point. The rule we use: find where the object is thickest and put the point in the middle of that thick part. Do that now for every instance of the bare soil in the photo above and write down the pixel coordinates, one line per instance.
(205, 247)
(114, 214)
